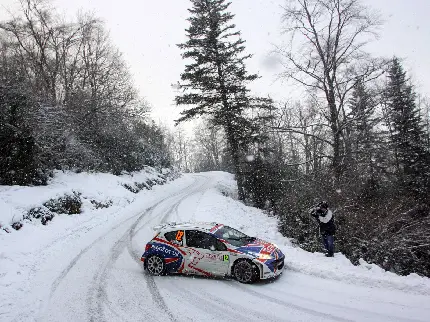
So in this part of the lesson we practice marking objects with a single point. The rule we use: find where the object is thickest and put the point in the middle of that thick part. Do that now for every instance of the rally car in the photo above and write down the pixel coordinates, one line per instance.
(211, 249)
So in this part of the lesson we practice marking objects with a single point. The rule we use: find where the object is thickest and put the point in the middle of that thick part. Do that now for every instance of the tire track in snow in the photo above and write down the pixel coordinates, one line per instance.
(99, 298)
(296, 307)
(368, 314)
(208, 306)
(73, 262)
(235, 313)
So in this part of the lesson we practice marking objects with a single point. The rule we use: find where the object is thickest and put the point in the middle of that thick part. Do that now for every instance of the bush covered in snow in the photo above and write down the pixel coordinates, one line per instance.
(69, 204)
(130, 188)
(389, 231)
(101, 205)
(398, 241)
(42, 213)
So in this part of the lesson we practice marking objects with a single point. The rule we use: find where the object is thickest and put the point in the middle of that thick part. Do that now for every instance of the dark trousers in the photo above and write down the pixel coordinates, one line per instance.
(328, 241)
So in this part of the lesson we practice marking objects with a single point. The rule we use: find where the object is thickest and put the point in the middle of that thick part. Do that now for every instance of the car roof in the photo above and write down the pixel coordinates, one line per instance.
(205, 226)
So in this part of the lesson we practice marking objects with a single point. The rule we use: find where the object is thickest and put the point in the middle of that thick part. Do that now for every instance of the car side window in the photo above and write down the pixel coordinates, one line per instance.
(220, 246)
(176, 237)
(199, 239)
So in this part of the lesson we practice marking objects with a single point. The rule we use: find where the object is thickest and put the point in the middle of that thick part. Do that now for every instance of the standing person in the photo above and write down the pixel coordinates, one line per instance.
(327, 227)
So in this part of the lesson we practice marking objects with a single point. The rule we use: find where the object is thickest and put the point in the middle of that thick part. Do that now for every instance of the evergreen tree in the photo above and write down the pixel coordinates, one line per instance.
(407, 131)
(19, 162)
(363, 137)
(215, 81)
(362, 108)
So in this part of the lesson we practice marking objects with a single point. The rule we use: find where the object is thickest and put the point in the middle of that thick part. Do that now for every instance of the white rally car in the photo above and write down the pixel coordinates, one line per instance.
(211, 249)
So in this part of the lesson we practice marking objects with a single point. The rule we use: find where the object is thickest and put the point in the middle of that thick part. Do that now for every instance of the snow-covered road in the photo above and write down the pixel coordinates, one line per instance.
(92, 272)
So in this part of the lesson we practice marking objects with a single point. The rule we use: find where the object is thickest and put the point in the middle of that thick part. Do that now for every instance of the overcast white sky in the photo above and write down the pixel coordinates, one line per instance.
(147, 32)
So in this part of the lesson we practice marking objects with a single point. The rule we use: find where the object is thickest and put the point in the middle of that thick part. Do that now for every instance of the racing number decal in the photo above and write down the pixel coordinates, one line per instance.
(225, 258)
(179, 235)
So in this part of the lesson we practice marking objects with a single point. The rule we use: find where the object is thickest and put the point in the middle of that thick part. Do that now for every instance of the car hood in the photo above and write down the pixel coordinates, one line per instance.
(261, 247)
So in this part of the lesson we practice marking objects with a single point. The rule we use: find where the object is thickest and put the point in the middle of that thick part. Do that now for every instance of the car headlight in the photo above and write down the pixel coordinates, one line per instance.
(260, 256)
(264, 256)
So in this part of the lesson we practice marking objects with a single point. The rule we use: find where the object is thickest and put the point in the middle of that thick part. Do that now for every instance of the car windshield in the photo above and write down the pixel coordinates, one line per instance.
(233, 236)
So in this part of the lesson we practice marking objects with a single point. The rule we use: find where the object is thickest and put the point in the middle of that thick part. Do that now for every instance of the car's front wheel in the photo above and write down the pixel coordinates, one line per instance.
(245, 271)
(155, 265)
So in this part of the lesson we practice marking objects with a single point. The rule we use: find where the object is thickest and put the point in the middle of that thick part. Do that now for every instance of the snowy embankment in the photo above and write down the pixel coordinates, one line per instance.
(93, 191)
(254, 222)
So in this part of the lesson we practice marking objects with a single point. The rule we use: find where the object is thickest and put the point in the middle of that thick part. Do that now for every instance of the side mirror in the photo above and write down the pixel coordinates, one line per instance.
(212, 248)
(176, 242)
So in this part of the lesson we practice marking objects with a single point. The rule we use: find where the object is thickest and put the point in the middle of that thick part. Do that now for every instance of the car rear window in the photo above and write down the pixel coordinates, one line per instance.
(175, 236)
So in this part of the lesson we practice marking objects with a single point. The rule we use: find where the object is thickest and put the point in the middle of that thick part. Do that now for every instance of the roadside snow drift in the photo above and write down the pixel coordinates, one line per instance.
(95, 190)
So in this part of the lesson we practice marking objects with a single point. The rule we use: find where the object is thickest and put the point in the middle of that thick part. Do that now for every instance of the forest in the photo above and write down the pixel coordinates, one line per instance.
(359, 138)
(67, 100)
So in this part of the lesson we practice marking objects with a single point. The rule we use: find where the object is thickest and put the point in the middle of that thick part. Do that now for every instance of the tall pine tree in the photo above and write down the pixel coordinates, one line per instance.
(215, 81)
(407, 131)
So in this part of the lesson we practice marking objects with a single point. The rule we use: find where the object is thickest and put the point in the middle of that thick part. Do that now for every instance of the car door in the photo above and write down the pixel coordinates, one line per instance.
(206, 254)
(222, 262)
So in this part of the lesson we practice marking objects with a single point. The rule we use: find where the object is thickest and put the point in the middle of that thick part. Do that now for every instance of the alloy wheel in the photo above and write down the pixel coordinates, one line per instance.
(155, 265)
(244, 272)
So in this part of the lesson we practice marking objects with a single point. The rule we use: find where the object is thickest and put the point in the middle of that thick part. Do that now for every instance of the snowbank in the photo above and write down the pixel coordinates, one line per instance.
(216, 205)
(94, 188)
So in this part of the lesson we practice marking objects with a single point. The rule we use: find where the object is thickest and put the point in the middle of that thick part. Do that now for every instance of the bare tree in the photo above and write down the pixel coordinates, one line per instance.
(424, 106)
(326, 54)
(180, 146)
(211, 146)
(37, 38)
(301, 134)
(48, 48)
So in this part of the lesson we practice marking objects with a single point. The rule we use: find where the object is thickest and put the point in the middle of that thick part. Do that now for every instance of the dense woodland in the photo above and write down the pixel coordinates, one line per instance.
(67, 100)
(359, 137)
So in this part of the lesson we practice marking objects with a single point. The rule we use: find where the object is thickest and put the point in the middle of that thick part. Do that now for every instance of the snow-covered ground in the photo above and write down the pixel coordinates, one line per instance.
(15, 201)
(86, 267)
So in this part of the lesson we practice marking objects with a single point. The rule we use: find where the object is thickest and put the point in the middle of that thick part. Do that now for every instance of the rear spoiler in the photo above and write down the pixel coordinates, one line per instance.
(164, 225)
(173, 223)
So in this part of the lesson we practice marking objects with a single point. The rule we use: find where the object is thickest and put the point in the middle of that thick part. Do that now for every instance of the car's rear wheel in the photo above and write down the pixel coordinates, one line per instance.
(155, 265)
(245, 271)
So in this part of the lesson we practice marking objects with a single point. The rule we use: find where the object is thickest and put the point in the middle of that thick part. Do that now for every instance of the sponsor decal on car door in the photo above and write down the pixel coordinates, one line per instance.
(204, 257)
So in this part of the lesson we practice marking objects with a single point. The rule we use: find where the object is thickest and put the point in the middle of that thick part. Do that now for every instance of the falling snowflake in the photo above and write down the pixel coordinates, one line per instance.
(249, 158)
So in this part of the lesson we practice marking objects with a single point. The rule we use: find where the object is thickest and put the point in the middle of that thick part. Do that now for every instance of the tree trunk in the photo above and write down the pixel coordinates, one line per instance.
(336, 164)
(234, 151)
